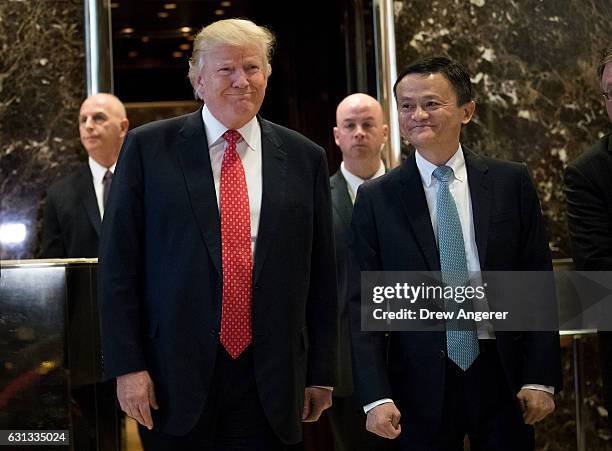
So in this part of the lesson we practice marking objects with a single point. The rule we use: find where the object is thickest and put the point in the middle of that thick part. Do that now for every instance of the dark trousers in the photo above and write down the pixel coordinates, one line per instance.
(233, 418)
(348, 424)
(477, 403)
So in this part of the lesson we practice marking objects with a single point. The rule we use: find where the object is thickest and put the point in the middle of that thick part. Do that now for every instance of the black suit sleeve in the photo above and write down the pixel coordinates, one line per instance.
(589, 220)
(120, 267)
(52, 240)
(322, 304)
(369, 348)
(542, 356)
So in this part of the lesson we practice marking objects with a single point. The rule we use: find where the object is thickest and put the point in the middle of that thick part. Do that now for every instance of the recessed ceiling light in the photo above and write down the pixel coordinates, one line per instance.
(226, 4)
(133, 54)
(170, 6)
(184, 46)
(177, 54)
(162, 15)
(219, 12)
(145, 39)
(127, 30)
(186, 29)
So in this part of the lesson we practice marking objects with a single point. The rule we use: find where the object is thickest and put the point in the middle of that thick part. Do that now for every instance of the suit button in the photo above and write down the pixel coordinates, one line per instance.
(442, 354)
(214, 332)
(256, 287)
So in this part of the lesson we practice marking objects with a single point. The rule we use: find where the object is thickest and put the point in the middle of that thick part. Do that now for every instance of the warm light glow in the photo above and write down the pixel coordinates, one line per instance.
(226, 4)
(12, 233)
(177, 54)
(133, 54)
(162, 15)
(127, 30)
(219, 12)
(186, 29)
(115, 5)
(145, 39)
(184, 46)
(170, 6)
(46, 366)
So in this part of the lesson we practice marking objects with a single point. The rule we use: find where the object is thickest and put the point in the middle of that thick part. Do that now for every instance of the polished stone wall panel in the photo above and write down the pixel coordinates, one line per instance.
(42, 83)
(533, 68)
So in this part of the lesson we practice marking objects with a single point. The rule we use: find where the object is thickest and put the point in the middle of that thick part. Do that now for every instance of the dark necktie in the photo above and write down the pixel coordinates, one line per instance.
(106, 184)
(236, 255)
(461, 337)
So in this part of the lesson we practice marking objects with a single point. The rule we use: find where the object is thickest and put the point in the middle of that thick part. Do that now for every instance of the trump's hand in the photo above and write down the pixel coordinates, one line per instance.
(136, 395)
(316, 400)
(384, 420)
(535, 404)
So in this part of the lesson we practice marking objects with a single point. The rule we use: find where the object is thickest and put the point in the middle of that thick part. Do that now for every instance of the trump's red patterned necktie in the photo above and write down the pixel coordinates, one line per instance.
(237, 261)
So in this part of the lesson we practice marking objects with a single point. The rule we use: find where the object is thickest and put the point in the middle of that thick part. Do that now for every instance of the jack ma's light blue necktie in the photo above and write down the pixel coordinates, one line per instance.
(461, 337)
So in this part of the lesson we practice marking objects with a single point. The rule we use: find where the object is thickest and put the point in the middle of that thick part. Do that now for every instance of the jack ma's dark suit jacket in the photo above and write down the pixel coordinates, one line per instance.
(392, 231)
(160, 272)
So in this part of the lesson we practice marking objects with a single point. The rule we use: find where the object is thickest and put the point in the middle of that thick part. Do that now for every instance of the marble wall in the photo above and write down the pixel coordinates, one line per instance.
(42, 82)
(533, 67)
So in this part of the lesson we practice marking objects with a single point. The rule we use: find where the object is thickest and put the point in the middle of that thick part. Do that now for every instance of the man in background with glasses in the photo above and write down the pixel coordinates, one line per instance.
(588, 188)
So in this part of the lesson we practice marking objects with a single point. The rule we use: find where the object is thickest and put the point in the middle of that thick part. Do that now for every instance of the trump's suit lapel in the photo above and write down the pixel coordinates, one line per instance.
(274, 181)
(195, 163)
(341, 200)
(86, 187)
(412, 196)
(480, 193)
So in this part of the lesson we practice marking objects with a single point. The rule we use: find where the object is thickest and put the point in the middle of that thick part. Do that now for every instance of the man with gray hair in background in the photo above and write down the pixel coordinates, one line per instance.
(73, 213)
(75, 204)
(217, 278)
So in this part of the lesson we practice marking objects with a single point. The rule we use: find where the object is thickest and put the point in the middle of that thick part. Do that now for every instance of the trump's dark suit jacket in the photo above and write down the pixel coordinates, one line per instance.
(71, 219)
(160, 272)
(392, 231)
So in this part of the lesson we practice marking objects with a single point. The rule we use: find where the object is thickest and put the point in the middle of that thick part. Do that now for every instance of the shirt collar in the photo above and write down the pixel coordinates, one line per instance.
(456, 163)
(215, 130)
(355, 181)
(98, 171)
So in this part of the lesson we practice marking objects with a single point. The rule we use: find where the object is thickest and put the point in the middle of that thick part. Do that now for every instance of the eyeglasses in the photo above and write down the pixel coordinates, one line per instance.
(607, 95)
